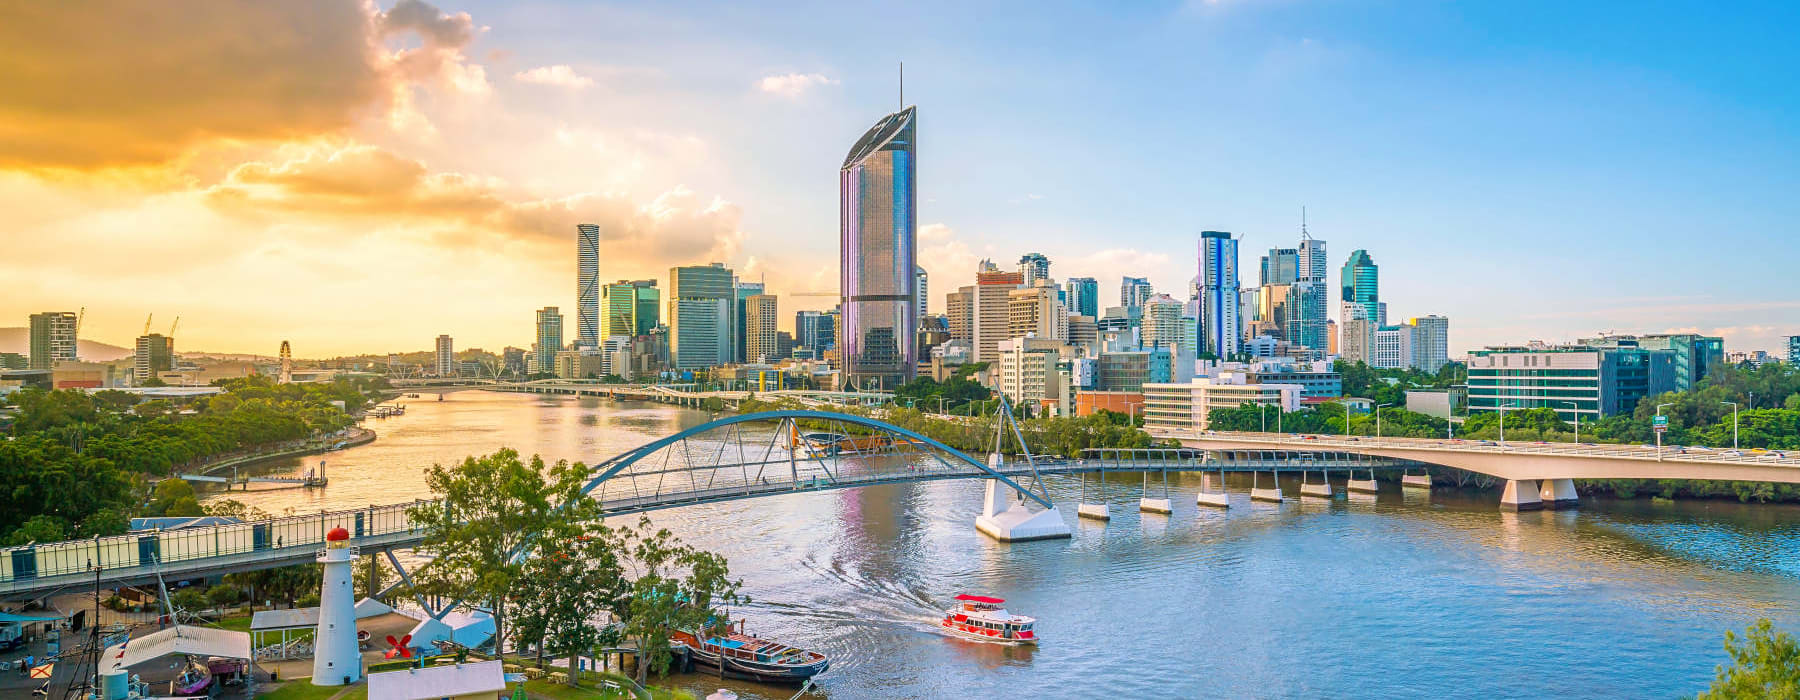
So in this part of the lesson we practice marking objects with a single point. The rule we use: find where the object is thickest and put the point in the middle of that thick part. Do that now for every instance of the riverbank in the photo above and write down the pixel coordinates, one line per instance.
(349, 437)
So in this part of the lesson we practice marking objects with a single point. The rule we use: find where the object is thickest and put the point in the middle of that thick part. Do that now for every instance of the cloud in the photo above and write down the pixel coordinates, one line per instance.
(115, 83)
(557, 75)
(792, 84)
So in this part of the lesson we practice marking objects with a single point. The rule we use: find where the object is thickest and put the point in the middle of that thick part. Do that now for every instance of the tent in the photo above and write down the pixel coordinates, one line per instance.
(180, 639)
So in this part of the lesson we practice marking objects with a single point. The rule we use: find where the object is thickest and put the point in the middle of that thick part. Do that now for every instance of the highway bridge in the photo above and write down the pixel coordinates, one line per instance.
(1537, 474)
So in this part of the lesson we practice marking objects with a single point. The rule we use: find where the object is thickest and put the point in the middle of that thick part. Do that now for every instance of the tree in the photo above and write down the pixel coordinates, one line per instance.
(487, 509)
(190, 600)
(1765, 664)
(677, 588)
(573, 575)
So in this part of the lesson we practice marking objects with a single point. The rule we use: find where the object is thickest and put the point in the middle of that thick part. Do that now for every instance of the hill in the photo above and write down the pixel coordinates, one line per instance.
(19, 340)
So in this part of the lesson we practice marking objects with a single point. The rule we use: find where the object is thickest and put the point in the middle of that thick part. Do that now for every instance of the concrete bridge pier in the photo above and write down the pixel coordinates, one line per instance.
(1409, 480)
(1162, 505)
(1005, 518)
(1355, 485)
(1520, 495)
(1271, 494)
(1558, 494)
(1091, 511)
(1212, 491)
(1318, 490)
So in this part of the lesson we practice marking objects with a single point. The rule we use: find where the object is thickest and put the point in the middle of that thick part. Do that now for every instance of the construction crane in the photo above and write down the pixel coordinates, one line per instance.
(79, 318)
(813, 294)
(147, 323)
(173, 325)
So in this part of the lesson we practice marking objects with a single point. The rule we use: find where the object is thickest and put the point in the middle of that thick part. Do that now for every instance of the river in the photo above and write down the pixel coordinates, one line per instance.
(1398, 595)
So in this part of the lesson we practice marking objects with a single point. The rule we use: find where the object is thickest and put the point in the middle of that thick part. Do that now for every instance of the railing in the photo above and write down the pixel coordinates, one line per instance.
(1636, 452)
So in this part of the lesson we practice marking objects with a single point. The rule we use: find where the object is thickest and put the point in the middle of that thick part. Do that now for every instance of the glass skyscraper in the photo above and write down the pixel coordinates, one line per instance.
(587, 285)
(1084, 297)
(878, 221)
(1219, 323)
(1361, 284)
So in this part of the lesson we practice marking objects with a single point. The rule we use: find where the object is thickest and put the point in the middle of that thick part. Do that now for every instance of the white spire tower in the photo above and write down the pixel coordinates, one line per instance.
(336, 660)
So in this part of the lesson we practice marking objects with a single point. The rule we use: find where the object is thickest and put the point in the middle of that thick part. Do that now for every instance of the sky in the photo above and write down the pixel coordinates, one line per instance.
(361, 177)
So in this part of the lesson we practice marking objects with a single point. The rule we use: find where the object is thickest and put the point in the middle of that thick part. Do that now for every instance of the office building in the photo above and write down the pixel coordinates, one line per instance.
(922, 292)
(618, 309)
(13, 360)
(701, 310)
(1431, 342)
(1593, 381)
(580, 363)
(155, 354)
(815, 331)
(1356, 341)
(587, 285)
(1360, 295)
(1219, 324)
(1694, 354)
(742, 291)
(1028, 372)
(1084, 335)
(1280, 266)
(53, 338)
(1392, 347)
(446, 357)
(1161, 323)
(512, 361)
(549, 338)
(1316, 379)
(1034, 267)
(992, 318)
(1186, 408)
(1036, 312)
(1082, 295)
(1133, 292)
(878, 217)
(649, 306)
(1306, 320)
(1309, 259)
(761, 344)
(1130, 371)
(959, 312)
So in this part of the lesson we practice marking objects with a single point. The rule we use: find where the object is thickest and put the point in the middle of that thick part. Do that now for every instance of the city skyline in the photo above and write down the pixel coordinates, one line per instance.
(455, 155)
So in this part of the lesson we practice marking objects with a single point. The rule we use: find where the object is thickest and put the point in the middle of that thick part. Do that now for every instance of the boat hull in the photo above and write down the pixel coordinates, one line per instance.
(950, 627)
(740, 669)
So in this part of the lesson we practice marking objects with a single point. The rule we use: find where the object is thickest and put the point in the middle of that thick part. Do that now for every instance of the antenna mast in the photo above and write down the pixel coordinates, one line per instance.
(902, 85)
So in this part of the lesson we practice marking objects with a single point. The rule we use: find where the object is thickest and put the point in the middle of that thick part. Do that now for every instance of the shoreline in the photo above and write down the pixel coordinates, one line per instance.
(362, 436)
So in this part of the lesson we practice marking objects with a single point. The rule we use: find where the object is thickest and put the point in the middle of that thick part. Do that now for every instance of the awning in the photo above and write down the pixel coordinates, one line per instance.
(308, 618)
(6, 617)
(980, 599)
(482, 677)
(180, 639)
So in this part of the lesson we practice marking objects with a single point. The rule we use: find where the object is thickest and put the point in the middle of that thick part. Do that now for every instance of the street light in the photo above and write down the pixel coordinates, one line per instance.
(1575, 410)
(1734, 424)
(1659, 408)
(1503, 420)
(1378, 419)
(1262, 411)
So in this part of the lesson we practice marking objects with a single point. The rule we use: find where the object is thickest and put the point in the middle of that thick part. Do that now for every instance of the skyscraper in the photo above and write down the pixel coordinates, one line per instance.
(959, 313)
(700, 316)
(922, 291)
(760, 341)
(587, 285)
(649, 306)
(52, 338)
(878, 222)
(1133, 291)
(1083, 297)
(1219, 332)
(1034, 266)
(1431, 342)
(1310, 305)
(740, 323)
(155, 354)
(1280, 266)
(446, 357)
(618, 310)
(815, 330)
(549, 338)
(991, 319)
(1162, 323)
(1035, 311)
(1361, 298)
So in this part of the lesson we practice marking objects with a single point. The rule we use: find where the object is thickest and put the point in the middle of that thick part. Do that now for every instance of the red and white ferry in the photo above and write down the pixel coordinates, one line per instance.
(981, 617)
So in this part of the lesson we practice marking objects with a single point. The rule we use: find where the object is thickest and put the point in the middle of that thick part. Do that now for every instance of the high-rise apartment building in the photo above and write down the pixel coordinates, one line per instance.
(1392, 347)
(701, 306)
(1133, 292)
(53, 338)
(1431, 342)
(878, 219)
(1034, 266)
(155, 354)
(1219, 331)
(959, 312)
(1356, 341)
(1162, 326)
(815, 331)
(1793, 350)
(587, 285)
(1037, 312)
(922, 292)
(992, 317)
(1360, 282)
(1028, 371)
(1082, 294)
(761, 344)
(549, 338)
(446, 357)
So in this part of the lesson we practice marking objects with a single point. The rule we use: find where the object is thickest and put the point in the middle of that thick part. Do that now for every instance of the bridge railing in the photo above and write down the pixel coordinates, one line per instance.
(166, 547)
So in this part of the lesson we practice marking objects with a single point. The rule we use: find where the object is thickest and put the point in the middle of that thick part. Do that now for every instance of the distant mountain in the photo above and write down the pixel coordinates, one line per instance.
(19, 340)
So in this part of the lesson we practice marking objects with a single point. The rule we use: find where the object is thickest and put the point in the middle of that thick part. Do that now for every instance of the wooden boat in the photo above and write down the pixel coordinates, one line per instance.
(745, 657)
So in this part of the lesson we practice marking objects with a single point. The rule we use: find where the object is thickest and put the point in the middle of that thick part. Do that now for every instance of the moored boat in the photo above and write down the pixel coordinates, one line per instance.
(746, 657)
(982, 618)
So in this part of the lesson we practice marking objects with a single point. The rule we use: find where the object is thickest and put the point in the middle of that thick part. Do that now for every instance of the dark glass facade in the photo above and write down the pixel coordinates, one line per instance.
(879, 223)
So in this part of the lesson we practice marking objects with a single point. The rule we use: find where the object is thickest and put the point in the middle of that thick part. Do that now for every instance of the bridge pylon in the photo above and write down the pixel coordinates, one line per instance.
(1009, 519)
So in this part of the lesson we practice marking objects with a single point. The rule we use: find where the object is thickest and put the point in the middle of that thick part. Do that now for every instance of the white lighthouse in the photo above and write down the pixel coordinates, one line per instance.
(336, 660)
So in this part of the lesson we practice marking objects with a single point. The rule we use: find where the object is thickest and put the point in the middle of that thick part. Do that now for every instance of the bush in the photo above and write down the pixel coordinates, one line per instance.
(223, 595)
(189, 599)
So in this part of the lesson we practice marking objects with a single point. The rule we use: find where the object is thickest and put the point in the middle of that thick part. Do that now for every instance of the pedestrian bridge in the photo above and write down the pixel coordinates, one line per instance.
(732, 458)
(1537, 474)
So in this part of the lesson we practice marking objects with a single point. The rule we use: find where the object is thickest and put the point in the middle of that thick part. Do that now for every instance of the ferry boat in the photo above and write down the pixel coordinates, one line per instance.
(745, 657)
(981, 617)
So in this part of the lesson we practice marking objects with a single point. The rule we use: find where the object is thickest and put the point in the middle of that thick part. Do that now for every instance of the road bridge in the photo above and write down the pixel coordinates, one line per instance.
(732, 458)
(1537, 474)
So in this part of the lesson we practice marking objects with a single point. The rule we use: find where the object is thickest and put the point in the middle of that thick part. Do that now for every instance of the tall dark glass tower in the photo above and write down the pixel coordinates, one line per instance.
(879, 224)
(587, 284)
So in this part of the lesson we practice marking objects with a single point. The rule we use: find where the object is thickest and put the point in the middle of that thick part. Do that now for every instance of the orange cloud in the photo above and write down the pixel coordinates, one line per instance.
(113, 83)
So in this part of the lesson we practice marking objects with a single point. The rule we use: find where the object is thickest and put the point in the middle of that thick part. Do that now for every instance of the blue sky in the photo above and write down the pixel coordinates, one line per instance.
(1533, 170)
